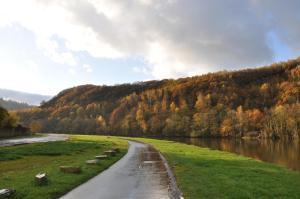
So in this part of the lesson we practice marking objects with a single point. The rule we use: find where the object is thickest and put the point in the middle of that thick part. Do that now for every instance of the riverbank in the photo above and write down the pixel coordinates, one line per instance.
(280, 152)
(19, 164)
(205, 173)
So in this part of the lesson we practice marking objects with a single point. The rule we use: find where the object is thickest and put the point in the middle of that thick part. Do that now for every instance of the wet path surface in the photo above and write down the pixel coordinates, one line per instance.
(140, 174)
(30, 140)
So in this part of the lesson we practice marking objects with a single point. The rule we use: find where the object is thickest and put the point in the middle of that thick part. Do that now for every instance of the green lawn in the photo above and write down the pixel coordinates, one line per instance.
(205, 173)
(19, 164)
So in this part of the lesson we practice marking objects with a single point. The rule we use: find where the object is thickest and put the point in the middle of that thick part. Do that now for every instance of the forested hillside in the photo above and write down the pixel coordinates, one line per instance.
(13, 105)
(253, 102)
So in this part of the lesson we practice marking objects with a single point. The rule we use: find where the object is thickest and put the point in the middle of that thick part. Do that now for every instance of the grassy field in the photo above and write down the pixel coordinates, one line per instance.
(19, 164)
(204, 173)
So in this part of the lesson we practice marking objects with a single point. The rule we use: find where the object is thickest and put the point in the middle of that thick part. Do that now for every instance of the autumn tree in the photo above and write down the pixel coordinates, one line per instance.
(140, 118)
(35, 127)
(241, 121)
(229, 124)
(101, 121)
(295, 73)
(3, 116)
(265, 92)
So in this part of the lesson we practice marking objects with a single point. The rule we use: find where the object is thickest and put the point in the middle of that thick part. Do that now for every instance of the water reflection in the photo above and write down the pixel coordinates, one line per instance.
(281, 152)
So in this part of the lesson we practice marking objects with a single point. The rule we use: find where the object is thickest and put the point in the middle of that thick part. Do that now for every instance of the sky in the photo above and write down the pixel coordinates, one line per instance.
(50, 45)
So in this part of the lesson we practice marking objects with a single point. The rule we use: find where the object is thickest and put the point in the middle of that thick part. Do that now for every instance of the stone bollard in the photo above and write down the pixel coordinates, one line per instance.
(70, 169)
(101, 157)
(92, 162)
(4, 193)
(41, 179)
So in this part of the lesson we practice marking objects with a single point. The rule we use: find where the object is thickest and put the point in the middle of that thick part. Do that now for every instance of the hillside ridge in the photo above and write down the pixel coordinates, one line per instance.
(23, 97)
(215, 104)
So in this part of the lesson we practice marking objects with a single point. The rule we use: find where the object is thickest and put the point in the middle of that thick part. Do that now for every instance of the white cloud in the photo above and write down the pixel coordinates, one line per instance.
(13, 72)
(87, 68)
(142, 70)
(72, 71)
(51, 49)
(31, 66)
(174, 37)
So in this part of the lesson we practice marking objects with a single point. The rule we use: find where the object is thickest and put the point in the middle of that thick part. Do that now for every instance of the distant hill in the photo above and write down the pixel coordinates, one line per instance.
(13, 105)
(260, 102)
(22, 97)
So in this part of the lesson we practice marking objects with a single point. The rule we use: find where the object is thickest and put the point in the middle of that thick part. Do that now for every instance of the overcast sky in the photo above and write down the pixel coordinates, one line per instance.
(50, 45)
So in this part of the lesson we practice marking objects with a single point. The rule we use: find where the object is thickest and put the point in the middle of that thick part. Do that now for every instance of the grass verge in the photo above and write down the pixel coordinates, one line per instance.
(205, 173)
(19, 164)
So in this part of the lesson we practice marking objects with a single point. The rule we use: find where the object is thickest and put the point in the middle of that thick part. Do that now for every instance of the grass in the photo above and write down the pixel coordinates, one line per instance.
(19, 164)
(205, 173)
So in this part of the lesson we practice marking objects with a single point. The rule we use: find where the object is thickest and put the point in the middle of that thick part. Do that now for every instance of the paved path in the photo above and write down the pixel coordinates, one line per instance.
(30, 140)
(140, 174)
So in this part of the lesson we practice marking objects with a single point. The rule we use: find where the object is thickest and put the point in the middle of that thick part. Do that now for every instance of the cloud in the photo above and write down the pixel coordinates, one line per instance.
(141, 70)
(51, 49)
(72, 71)
(174, 37)
(29, 70)
(284, 18)
(87, 68)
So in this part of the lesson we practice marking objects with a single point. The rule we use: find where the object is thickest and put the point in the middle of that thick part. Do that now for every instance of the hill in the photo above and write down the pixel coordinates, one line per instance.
(22, 97)
(13, 105)
(252, 102)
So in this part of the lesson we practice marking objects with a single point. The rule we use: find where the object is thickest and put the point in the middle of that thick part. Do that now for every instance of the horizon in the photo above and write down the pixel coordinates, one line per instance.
(47, 47)
(143, 81)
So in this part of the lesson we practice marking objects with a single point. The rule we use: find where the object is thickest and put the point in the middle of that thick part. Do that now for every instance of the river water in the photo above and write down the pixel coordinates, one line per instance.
(282, 152)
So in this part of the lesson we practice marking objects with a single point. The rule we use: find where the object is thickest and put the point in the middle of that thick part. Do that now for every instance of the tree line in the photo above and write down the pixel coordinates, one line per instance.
(9, 126)
(13, 105)
(262, 102)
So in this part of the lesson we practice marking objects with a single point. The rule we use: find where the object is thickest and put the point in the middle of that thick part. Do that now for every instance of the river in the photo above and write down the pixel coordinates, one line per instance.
(282, 152)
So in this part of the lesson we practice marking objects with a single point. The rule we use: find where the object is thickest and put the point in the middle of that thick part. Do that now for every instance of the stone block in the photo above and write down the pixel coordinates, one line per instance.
(101, 157)
(4, 193)
(92, 162)
(41, 179)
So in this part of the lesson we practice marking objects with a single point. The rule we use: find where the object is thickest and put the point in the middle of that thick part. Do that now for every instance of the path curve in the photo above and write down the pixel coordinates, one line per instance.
(141, 174)
(31, 140)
